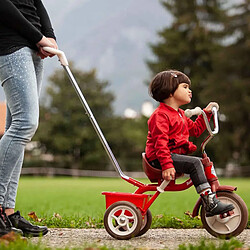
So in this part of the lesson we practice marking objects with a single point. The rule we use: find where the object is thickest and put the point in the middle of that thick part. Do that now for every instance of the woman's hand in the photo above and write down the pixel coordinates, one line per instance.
(46, 42)
(168, 174)
(210, 105)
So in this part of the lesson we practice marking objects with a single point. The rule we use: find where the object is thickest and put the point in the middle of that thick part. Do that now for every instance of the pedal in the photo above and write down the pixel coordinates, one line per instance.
(225, 215)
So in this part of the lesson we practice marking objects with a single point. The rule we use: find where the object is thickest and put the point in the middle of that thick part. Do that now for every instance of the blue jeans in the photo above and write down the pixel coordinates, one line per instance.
(20, 76)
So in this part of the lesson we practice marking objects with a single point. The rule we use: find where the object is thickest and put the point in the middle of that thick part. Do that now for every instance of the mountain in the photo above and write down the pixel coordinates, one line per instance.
(112, 36)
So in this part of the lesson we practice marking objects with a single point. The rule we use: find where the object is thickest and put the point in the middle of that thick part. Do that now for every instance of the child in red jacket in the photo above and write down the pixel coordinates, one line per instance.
(168, 136)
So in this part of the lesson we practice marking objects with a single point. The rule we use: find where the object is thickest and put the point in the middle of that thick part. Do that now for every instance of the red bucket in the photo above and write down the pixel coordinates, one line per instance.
(139, 200)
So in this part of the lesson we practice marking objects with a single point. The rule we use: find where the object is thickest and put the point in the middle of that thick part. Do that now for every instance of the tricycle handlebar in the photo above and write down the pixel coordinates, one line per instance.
(191, 112)
(212, 133)
(197, 111)
(215, 119)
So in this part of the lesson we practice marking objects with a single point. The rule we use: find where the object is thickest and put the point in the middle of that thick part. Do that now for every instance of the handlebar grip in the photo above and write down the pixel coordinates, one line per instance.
(190, 112)
(215, 106)
(60, 54)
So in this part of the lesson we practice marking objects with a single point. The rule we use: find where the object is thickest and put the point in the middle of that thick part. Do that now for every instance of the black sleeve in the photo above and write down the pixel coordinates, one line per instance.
(11, 17)
(47, 29)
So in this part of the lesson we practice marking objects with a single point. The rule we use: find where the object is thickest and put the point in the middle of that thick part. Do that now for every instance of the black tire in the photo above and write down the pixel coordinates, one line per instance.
(146, 223)
(230, 226)
(123, 220)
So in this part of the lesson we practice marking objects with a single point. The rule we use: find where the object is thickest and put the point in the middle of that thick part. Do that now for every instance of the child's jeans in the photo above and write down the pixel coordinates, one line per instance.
(190, 165)
(20, 77)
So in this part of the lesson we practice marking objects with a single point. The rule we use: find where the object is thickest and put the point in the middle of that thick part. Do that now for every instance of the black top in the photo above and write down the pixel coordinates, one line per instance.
(22, 23)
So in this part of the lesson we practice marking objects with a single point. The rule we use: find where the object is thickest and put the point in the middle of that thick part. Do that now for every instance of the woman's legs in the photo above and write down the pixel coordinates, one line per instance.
(20, 74)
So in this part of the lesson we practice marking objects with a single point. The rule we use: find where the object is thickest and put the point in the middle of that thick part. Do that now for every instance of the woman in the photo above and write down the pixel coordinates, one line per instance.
(25, 29)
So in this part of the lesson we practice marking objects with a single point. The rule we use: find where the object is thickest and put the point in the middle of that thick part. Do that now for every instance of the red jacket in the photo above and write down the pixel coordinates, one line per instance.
(168, 132)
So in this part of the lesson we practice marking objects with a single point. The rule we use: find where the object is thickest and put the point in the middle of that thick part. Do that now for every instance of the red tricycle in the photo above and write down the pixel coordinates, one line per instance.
(128, 214)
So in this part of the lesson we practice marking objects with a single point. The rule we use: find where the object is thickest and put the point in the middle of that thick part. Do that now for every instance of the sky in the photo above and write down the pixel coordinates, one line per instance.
(112, 36)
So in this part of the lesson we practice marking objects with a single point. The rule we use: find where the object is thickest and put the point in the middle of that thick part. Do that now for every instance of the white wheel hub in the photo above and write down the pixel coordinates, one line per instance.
(122, 220)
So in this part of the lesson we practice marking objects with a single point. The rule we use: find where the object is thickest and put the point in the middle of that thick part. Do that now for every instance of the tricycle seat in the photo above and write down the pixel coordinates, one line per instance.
(154, 174)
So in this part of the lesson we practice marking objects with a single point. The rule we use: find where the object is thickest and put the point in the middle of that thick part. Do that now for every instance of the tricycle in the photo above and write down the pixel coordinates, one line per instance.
(127, 214)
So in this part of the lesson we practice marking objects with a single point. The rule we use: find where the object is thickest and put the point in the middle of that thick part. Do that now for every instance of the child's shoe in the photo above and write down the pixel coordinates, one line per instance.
(213, 206)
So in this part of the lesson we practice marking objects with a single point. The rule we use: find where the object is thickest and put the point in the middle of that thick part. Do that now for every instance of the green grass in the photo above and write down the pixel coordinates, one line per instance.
(80, 204)
(20, 244)
(207, 245)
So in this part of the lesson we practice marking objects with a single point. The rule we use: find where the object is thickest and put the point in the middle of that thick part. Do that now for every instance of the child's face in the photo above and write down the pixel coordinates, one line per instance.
(183, 94)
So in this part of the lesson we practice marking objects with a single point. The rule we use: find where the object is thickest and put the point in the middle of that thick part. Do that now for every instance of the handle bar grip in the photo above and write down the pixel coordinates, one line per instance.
(190, 112)
(215, 107)
(60, 54)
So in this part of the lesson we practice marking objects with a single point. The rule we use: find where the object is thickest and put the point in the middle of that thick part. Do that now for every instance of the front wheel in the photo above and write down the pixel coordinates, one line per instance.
(230, 225)
(123, 220)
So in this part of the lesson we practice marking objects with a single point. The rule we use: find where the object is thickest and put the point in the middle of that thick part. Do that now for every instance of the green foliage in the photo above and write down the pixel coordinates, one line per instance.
(187, 45)
(209, 41)
(229, 85)
(167, 221)
(66, 131)
(76, 221)
(20, 244)
(64, 128)
(78, 203)
(207, 245)
(73, 221)
(203, 245)
(127, 139)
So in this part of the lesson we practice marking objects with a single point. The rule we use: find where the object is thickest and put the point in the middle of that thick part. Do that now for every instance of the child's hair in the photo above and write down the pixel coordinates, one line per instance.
(165, 83)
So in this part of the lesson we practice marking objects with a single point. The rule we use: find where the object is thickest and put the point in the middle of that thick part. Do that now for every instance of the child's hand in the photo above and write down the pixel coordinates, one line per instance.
(168, 174)
(210, 105)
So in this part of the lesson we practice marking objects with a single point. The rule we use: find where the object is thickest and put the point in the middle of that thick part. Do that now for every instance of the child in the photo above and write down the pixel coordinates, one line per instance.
(168, 142)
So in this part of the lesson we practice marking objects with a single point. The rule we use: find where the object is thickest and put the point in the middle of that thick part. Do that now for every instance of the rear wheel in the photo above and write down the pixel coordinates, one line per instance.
(146, 223)
(229, 224)
(123, 220)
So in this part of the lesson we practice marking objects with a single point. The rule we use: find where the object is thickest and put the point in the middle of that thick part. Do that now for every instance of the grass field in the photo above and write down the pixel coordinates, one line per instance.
(76, 198)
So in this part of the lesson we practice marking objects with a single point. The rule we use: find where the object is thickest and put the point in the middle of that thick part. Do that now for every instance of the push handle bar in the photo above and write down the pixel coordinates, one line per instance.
(60, 54)
(65, 64)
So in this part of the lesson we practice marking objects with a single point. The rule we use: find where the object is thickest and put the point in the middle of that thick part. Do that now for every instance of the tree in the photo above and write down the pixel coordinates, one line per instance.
(189, 45)
(229, 84)
(209, 40)
(66, 132)
(189, 42)
(65, 129)
(127, 138)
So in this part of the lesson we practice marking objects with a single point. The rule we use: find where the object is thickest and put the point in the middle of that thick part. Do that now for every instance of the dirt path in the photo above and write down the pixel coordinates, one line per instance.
(153, 239)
